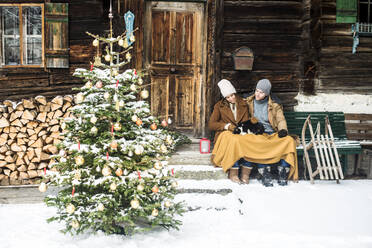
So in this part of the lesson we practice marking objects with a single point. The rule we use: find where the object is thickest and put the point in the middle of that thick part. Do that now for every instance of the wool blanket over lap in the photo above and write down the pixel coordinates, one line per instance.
(262, 149)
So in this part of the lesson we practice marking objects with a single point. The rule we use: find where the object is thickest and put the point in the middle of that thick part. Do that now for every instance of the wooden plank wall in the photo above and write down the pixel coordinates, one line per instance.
(272, 29)
(84, 15)
(339, 70)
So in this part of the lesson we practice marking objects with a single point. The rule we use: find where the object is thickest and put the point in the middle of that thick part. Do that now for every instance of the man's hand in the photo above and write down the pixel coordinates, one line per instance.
(282, 133)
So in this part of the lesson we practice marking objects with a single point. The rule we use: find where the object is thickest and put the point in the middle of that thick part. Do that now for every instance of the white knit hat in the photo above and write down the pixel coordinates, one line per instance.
(226, 87)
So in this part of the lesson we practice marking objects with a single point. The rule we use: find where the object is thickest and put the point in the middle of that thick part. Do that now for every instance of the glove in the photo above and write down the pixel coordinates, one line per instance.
(282, 133)
(231, 128)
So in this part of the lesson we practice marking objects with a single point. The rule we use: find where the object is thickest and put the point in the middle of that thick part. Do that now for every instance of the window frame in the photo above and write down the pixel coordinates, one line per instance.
(369, 17)
(21, 42)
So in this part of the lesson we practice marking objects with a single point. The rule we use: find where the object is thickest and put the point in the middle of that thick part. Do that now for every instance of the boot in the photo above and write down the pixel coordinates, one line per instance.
(245, 172)
(283, 175)
(267, 178)
(233, 175)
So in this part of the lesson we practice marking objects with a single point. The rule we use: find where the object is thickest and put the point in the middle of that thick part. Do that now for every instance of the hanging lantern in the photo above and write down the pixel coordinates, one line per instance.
(204, 145)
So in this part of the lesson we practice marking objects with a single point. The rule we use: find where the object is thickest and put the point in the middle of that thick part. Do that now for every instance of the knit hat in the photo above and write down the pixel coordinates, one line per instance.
(264, 85)
(226, 87)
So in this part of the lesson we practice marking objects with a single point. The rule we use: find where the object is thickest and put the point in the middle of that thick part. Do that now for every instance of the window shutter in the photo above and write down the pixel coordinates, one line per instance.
(56, 47)
(347, 11)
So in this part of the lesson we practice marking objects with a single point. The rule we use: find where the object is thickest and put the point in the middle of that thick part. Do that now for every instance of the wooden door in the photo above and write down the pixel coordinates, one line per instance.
(173, 56)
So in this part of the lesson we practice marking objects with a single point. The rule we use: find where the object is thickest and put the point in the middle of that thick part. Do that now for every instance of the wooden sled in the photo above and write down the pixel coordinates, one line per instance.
(326, 155)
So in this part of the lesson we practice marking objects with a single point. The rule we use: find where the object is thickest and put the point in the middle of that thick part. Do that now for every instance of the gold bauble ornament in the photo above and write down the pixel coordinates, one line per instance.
(132, 38)
(140, 187)
(95, 42)
(70, 209)
(107, 57)
(133, 87)
(117, 126)
(100, 207)
(79, 98)
(155, 189)
(153, 126)
(94, 130)
(43, 187)
(88, 85)
(125, 45)
(106, 171)
(144, 94)
(163, 149)
(99, 84)
(158, 165)
(106, 95)
(140, 81)
(75, 224)
(164, 123)
(115, 72)
(128, 56)
(113, 186)
(121, 42)
(93, 119)
(155, 212)
(139, 122)
(134, 203)
(119, 172)
(77, 175)
(79, 160)
(114, 145)
(134, 118)
(167, 204)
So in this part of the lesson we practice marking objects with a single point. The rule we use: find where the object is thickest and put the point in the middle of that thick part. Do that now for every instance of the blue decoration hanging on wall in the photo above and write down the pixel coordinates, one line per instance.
(129, 21)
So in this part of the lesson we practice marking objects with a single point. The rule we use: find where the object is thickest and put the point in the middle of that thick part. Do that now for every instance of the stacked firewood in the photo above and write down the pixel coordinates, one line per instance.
(29, 134)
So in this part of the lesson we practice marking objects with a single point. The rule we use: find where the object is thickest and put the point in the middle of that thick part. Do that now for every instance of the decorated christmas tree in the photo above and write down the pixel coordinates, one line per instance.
(111, 169)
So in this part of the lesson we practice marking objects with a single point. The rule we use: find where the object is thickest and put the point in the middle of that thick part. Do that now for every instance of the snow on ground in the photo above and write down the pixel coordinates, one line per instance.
(324, 214)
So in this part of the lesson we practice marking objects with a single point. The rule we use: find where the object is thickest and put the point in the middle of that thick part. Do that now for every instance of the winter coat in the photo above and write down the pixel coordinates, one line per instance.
(275, 113)
(222, 115)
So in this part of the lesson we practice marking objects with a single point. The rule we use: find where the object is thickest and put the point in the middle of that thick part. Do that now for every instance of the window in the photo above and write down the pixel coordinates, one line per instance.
(365, 11)
(22, 35)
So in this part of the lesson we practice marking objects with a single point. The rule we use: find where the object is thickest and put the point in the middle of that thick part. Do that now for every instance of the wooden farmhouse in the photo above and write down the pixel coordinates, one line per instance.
(186, 47)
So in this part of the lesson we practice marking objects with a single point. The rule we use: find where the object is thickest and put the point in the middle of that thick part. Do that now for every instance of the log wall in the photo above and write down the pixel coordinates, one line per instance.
(273, 30)
(338, 69)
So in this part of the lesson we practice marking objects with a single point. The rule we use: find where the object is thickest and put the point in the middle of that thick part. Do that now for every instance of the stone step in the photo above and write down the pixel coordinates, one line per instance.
(190, 159)
(198, 172)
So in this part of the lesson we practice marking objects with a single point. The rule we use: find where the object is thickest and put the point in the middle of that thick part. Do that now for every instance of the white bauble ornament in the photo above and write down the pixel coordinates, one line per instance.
(93, 119)
(106, 95)
(98, 169)
(115, 98)
(42, 187)
(121, 42)
(138, 150)
(88, 85)
(62, 153)
(167, 204)
(95, 42)
(155, 212)
(117, 126)
(79, 98)
(140, 81)
(130, 153)
(133, 87)
(75, 224)
(107, 57)
(174, 184)
(169, 121)
(70, 208)
(134, 118)
(134, 203)
(100, 207)
(99, 84)
(106, 171)
(121, 103)
(79, 160)
(140, 187)
(144, 94)
(94, 130)
(113, 186)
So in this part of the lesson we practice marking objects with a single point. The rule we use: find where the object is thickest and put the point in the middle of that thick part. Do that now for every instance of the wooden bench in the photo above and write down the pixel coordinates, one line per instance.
(295, 122)
(359, 127)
